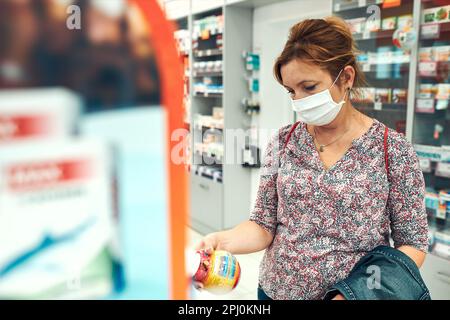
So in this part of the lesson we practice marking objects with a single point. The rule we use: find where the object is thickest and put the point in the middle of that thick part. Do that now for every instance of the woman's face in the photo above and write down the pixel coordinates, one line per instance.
(303, 79)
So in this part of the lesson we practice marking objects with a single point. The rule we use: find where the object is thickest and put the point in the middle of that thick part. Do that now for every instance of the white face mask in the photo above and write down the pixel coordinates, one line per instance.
(318, 109)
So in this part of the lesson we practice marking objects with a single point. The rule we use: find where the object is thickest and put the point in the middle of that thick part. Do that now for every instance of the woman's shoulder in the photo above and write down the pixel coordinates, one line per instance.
(399, 143)
(281, 135)
(401, 150)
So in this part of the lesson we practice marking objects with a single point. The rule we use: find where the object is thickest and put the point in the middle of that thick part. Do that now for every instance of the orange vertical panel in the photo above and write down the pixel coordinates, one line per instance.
(171, 82)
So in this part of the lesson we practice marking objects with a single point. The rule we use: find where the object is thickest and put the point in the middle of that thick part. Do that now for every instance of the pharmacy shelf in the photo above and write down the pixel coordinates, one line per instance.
(389, 107)
(212, 33)
(433, 69)
(211, 157)
(207, 73)
(432, 31)
(207, 53)
(383, 34)
(214, 205)
(210, 177)
(355, 4)
(210, 127)
(208, 95)
(370, 68)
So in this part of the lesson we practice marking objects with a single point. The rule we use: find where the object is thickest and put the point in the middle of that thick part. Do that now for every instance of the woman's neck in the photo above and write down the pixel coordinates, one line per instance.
(343, 122)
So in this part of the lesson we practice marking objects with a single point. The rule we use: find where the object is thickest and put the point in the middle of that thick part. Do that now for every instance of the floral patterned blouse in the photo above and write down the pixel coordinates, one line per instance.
(324, 221)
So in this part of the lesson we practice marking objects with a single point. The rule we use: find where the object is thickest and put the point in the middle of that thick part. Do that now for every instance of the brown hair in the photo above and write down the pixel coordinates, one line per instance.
(327, 43)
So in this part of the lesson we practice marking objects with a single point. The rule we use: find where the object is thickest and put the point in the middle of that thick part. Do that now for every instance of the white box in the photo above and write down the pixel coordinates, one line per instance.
(58, 194)
(37, 114)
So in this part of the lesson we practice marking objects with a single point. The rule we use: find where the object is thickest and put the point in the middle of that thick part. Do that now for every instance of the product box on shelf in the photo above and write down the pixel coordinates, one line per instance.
(435, 53)
(444, 204)
(436, 15)
(441, 53)
(389, 23)
(356, 25)
(399, 56)
(442, 244)
(183, 40)
(426, 54)
(428, 68)
(404, 21)
(399, 96)
(438, 203)
(218, 113)
(374, 58)
(208, 26)
(442, 237)
(372, 25)
(445, 154)
(443, 91)
(427, 91)
(443, 169)
(201, 121)
(37, 114)
(367, 95)
(425, 105)
(56, 211)
(362, 58)
(383, 95)
(428, 152)
(210, 172)
(431, 239)
(431, 201)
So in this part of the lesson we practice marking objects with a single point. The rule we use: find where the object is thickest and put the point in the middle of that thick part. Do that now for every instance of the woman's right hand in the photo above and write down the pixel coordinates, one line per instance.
(209, 243)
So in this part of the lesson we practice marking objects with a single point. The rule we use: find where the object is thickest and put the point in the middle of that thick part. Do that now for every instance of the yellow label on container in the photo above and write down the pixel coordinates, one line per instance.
(224, 272)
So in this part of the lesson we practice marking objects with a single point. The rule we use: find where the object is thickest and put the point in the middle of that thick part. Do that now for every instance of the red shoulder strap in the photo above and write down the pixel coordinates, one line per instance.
(295, 125)
(386, 156)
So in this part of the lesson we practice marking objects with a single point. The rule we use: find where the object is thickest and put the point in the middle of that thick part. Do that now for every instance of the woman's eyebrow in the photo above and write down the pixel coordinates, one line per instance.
(303, 81)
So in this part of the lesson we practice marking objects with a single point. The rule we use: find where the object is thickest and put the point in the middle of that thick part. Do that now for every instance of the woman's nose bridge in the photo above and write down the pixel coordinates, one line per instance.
(299, 95)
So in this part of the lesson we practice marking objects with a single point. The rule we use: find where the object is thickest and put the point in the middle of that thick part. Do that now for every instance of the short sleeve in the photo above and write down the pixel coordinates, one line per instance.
(265, 210)
(406, 206)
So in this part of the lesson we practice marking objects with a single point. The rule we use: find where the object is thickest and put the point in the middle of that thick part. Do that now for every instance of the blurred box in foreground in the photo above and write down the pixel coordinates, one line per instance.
(34, 115)
(56, 220)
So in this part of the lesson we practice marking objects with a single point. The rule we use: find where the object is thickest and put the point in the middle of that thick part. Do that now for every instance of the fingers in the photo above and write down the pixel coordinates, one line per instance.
(198, 285)
(206, 244)
(209, 250)
(200, 245)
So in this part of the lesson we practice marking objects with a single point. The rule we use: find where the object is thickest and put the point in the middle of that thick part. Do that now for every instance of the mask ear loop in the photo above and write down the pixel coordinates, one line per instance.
(347, 90)
(336, 78)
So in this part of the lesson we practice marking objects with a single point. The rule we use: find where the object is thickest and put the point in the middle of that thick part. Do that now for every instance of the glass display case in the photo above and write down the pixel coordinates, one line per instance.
(431, 128)
(386, 66)
(405, 54)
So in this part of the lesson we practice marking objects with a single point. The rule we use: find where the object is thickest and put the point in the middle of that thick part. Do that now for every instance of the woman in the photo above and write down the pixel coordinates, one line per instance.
(332, 198)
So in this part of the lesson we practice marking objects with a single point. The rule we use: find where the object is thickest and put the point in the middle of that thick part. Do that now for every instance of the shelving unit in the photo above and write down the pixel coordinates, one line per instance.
(220, 32)
(423, 115)
(431, 136)
(387, 68)
(182, 37)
